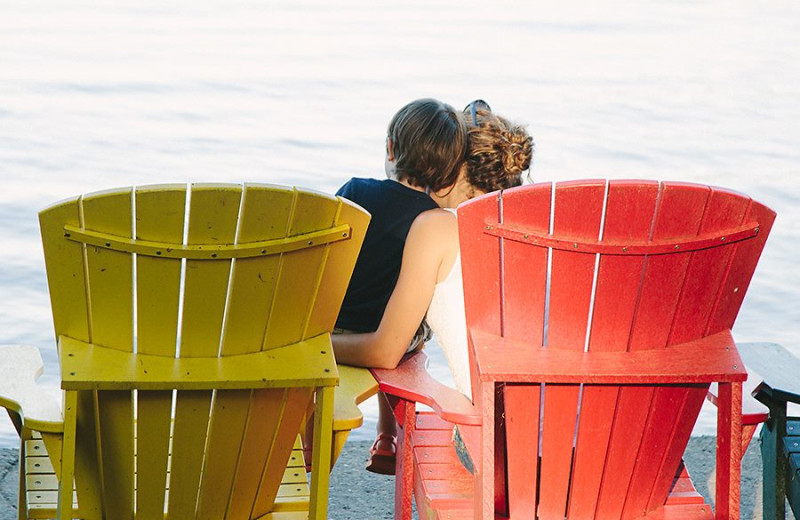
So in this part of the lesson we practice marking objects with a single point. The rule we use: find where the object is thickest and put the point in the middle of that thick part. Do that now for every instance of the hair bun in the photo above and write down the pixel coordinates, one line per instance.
(517, 150)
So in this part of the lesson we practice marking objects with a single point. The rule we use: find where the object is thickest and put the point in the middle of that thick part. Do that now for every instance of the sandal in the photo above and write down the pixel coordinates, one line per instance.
(383, 461)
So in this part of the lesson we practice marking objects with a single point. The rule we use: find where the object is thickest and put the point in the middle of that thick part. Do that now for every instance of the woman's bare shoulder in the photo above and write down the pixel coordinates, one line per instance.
(435, 221)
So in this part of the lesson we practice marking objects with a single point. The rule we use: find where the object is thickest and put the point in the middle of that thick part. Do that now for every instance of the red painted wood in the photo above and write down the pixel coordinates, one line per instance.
(404, 472)
(525, 267)
(411, 381)
(729, 457)
(522, 442)
(741, 269)
(486, 500)
(629, 212)
(678, 215)
(699, 297)
(701, 361)
(482, 294)
(577, 213)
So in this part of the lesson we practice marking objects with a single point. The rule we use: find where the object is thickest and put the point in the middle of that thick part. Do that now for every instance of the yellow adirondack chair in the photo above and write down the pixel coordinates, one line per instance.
(193, 334)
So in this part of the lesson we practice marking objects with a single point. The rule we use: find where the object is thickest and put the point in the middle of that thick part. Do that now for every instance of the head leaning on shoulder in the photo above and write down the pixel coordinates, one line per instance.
(498, 150)
(426, 144)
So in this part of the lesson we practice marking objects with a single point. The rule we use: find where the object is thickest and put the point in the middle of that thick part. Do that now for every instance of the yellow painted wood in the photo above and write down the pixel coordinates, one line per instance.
(35, 465)
(356, 385)
(88, 483)
(282, 446)
(46, 482)
(285, 515)
(152, 451)
(213, 215)
(320, 465)
(300, 272)
(160, 214)
(266, 409)
(110, 272)
(53, 443)
(110, 276)
(308, 363)
(117, 450)
(228, 420)
(206, 251)
(333, 284)
(66, 278)
(68, 456)
(263, 217)
(188, 443)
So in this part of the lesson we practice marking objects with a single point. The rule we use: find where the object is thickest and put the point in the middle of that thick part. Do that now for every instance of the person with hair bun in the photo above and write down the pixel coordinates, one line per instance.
(498, 153)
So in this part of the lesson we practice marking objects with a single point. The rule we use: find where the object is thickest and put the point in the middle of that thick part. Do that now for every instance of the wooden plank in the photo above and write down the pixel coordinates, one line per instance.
(89, 367)
(741, 270)
(294, 409)
(225, 433)
(341, 258)
(482, 294)
(263, 217)
(577, 213)
(160, 212)
(188, 443)
(522, 428)
(629, 211)
(266, 408)
(110, 276)
(66, 277)
(699, 300)
(213, 217)
(524, 272)
(300, 272)
(680, 211)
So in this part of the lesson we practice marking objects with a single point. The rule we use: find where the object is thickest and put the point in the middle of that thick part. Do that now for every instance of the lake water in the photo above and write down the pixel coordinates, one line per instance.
(300, 92)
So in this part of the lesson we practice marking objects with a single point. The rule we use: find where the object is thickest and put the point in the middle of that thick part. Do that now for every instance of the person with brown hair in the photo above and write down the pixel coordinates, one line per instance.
(499, 151)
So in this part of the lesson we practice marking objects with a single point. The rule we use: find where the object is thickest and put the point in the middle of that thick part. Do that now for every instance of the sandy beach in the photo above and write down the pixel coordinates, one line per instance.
(359, 495)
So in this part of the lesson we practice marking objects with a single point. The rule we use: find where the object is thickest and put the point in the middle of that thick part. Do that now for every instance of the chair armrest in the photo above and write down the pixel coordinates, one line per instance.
(713, 358)
(355, 386)
(20, 366)
(308, 363)
(412, 381)
(777, 369)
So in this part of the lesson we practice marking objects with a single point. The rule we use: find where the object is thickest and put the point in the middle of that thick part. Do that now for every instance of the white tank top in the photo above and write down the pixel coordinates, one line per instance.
(446, 318)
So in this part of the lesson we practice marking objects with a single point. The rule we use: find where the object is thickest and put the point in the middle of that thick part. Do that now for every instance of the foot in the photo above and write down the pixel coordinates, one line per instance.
(383, 455)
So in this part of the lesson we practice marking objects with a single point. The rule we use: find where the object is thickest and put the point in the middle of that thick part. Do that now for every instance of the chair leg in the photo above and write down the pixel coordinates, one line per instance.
(22, 493)
(65, 490)
(775, 467)
(321, 459)
(404, 472)
(729, 445)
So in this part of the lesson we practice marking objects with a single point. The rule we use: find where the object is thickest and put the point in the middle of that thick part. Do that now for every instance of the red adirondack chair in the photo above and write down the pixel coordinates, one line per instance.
(598, 313)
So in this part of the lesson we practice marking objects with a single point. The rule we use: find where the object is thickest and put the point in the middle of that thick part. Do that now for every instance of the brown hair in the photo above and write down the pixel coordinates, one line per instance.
(498, 152)
(429, 142)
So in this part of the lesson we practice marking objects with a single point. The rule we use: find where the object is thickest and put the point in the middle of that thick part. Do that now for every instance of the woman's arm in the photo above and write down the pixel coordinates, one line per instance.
(429, 253)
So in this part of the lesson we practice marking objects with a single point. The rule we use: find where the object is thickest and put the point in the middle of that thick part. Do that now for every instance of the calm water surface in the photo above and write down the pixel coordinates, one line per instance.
(93, 97)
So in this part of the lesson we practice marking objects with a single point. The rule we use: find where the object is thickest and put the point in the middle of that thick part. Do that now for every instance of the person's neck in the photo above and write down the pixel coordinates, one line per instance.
(405, 182)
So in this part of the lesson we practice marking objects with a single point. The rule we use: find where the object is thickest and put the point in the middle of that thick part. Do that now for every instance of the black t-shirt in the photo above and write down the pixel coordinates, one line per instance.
(393, 207)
